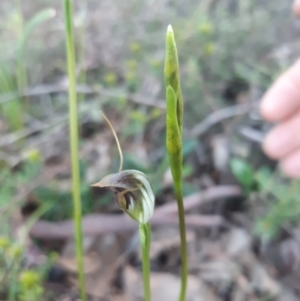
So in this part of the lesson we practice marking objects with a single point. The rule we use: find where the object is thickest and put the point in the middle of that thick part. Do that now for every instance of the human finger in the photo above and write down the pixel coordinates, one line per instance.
(290, 165)
(296, 7)
(283, 98)
(283, 139)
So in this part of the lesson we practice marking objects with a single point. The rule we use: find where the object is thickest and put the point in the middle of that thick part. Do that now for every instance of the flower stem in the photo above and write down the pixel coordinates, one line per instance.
(174, 120)
(183, 246)
(145, 238)
(73, 124)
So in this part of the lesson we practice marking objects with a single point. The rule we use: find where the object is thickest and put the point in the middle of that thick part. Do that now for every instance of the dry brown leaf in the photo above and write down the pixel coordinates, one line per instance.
(91, 262)
(164, 286)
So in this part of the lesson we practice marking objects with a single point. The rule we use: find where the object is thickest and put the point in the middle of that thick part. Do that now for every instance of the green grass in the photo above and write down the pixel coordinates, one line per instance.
(13, 279)
(73, 124)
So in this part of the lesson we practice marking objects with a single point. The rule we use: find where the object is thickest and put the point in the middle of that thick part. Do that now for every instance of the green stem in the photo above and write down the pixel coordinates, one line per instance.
(73, 123)
(174, 142)
(183, 246)
(145, 238)
(174, 147)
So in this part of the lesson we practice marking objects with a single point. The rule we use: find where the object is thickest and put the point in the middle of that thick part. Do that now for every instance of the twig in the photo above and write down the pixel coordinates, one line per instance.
(21, 134)
(83, 89)
(40, 90)
(219, 116)
(97, 224)
(16, 136)
(252, 134)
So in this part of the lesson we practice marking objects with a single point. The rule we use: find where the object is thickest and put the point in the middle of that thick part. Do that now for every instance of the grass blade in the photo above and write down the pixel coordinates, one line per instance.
(68, 10)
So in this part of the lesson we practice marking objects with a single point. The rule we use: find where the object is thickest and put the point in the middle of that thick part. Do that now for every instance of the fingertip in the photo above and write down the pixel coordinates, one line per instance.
(282, 139)
(282, 99)
(267, 108)
(296, 8)
(289, 172)
(273, 106)
(278, 102)
(269, 146)
(290, 166)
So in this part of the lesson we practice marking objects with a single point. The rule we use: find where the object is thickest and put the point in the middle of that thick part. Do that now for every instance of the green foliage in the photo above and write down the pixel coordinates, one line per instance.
(131, 162)
(12, 110)
(243, 173)
(12, 181)
(30, 284)
(16, 282)
(274, 199)
(32, 24)
(59, 201)
(12, 81)
(281, 205)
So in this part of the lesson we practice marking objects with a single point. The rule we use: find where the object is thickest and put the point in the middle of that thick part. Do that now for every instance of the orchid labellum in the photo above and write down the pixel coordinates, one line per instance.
(133, 193)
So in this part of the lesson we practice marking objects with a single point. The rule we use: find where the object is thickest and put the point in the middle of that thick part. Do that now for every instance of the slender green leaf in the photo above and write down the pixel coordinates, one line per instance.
(172, 77)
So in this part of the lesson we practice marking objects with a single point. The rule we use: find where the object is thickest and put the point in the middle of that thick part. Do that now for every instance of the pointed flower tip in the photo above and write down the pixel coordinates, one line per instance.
(170, 32)
(170, 38)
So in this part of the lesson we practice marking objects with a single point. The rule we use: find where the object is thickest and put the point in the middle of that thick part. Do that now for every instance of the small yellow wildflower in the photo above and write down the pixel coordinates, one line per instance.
(15, 251)
(209, 49)
(206, 28)
(131, 64)
(4, 242)
(33, 155)
(130, 76)
(29, 279)
(135, 47)
(156, 112)
(155, 63)
(110, 78)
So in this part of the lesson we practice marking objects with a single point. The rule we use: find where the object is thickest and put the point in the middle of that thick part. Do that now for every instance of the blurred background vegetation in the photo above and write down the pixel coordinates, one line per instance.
(230, 51)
